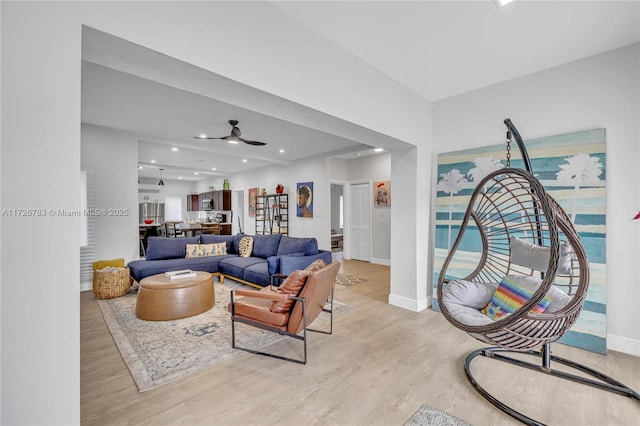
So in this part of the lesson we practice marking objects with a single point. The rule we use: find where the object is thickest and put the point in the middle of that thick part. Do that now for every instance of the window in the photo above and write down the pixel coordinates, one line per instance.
(172, 208)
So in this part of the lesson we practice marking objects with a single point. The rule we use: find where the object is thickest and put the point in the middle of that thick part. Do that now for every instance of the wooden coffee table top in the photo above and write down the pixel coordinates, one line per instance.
(160, 281)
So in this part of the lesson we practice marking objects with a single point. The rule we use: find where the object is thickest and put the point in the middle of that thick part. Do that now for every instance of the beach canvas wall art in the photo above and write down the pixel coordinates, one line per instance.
(572, 169)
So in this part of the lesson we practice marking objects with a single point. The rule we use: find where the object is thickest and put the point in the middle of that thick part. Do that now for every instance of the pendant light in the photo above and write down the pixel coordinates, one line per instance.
(161, 181)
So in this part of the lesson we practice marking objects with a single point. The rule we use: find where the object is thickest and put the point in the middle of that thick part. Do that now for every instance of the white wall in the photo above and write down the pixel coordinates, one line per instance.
(600, 91)
(113, 157)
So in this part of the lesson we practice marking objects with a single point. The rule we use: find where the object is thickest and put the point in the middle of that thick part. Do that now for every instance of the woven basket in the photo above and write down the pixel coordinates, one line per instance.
(107, 284)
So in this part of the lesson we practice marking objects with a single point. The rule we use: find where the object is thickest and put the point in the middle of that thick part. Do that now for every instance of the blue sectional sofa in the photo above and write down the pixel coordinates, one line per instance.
(271, 254)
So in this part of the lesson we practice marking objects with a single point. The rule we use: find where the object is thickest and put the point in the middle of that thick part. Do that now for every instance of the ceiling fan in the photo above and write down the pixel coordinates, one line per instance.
(234, 137)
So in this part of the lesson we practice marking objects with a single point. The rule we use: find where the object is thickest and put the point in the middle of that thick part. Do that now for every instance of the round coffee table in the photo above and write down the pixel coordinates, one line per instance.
(163, 299)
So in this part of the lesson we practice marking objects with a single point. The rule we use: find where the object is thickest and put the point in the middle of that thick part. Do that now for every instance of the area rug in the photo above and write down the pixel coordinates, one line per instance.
(158, 352)
(428, 415)
(348, 280)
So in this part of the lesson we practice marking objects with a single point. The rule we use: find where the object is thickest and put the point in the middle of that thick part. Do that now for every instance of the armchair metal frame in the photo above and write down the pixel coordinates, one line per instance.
(297, 336)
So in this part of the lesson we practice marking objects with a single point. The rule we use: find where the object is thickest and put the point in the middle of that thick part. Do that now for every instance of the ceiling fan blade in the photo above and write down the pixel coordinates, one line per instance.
(234, 137)
(254, 143)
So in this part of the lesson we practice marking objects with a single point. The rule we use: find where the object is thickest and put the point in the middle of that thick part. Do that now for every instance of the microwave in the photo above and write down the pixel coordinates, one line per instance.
(207, 204)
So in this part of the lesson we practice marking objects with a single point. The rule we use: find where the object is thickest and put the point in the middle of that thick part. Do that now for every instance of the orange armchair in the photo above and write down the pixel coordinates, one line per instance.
(288, 309)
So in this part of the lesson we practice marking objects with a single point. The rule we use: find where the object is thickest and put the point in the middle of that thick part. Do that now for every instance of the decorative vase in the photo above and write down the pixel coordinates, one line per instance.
(279, 189)
(225, 184)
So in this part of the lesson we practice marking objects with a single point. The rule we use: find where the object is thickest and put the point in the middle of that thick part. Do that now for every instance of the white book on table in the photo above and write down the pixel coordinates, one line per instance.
(178, 275)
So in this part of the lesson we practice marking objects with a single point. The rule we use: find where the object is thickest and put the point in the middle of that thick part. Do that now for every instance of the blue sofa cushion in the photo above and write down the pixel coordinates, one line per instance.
(257, 274)
(289, 245)
(140, 269)
(236, 242)
(159, 248)
(266, 245)
(235, 266)
(288, 264)
(273, 262)
(214, 239)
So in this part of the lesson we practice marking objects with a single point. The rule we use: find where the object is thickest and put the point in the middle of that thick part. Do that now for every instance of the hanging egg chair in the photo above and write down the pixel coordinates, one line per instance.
(529, 282)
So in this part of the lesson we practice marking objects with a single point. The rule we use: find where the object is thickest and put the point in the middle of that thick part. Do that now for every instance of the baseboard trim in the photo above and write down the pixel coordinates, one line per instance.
(623, 344)
(378, 261)
(409, 304)
(86, 286)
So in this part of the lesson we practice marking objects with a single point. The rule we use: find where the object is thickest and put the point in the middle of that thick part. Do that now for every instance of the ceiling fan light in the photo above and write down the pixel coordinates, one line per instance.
(232, 141)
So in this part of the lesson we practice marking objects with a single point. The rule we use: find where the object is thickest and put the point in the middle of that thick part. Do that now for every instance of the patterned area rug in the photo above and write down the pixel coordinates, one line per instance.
(428, 415)
(348, 280)
(158, 352)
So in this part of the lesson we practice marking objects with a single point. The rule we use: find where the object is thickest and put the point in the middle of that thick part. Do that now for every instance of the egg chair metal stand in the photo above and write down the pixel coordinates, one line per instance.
(511, 202)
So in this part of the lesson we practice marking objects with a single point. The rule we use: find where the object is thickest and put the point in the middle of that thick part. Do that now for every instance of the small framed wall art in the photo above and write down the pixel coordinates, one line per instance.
(382, 193)
(304, 190)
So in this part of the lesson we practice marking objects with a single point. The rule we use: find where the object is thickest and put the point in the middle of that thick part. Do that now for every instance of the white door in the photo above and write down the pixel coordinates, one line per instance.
(361, 222)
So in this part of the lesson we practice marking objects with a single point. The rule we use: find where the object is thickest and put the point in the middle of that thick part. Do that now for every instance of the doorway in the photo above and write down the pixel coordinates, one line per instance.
(337, 220)
(360, 223)
(237, 214)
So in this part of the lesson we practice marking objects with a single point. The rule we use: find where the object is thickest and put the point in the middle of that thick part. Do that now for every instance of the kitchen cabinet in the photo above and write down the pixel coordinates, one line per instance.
(222, 200)
(214, 200)
(193, 202)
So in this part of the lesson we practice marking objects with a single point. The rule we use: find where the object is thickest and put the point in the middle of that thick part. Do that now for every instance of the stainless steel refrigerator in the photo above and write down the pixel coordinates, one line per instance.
(153, 211)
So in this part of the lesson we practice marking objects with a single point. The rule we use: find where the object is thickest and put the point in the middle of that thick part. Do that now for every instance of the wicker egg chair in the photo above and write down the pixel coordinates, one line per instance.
(508, 210)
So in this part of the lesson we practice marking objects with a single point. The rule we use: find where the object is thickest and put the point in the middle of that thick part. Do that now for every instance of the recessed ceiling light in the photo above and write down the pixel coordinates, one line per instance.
(202, 136)
(153, 161)
(378, 149)
(195, 173)
(281, 151)
(244, 160)
(179, 177)
(500, 3)
(174, 149)
(140, 167)
(213, 168)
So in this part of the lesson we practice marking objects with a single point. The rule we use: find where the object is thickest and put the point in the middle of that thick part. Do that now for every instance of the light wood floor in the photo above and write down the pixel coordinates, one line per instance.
(379, 366)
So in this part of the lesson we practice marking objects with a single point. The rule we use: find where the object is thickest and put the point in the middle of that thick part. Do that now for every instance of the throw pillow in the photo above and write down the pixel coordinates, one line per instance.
(116, 263)
(194, 250)
(537, 257)
(559, 299)
(217, 249)
(292, 285)
(509, 297)
(315, 265)
(246, 246)
(203, 250)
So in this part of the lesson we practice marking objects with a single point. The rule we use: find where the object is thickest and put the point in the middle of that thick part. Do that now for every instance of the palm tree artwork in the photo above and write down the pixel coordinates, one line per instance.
(579, 170)
(451, 183)
(484, 166)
